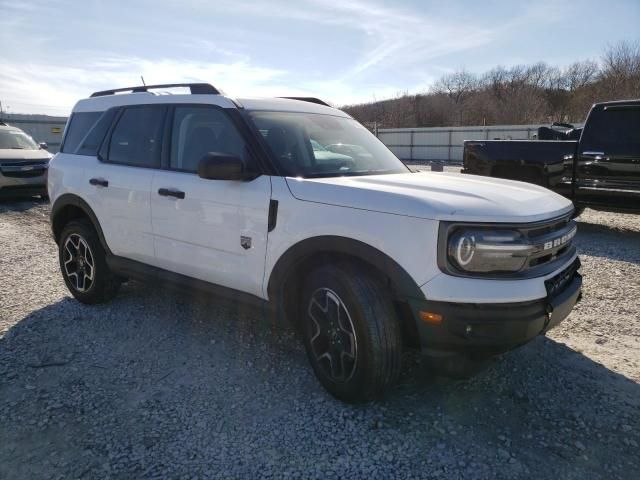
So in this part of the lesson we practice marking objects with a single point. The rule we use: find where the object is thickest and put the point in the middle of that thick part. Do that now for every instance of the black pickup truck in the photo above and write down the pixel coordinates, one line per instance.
(601, 169)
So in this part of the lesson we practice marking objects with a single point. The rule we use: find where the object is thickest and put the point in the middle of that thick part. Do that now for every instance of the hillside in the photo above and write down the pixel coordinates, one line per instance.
(523, 94)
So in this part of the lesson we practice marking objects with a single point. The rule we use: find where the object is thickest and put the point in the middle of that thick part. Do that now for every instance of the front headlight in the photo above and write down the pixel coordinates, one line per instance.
(487, 251)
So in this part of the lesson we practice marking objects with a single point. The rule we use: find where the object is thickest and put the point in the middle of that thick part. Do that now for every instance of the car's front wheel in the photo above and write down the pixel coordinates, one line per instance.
(351, 332)
(83, 264)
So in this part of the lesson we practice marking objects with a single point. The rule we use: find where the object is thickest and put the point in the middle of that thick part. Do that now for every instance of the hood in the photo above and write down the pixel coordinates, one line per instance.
(437, 196)
(17, 154)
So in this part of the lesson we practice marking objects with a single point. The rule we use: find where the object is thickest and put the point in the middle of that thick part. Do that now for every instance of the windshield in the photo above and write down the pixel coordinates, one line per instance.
(314, 145)
(16, 140)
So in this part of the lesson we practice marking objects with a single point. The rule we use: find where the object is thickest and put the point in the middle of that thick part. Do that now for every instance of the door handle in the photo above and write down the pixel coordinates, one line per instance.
(99, 182)
(170, 192)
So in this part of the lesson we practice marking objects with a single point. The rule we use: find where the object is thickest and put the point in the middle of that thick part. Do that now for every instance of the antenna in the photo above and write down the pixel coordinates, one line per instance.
(142, 78)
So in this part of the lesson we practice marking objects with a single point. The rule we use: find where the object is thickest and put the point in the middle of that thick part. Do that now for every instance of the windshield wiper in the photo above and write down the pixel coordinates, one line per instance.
(18, 148)
(323, 175)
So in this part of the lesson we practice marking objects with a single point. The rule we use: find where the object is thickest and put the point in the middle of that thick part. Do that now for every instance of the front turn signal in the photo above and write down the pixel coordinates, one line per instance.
(430, 317)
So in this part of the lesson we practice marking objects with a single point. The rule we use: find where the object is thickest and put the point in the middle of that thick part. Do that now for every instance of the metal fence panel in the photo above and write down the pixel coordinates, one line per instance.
(458, 138)
(430, 152)
(446, 144)
(395, 138)
(436, 137)
(401, 152)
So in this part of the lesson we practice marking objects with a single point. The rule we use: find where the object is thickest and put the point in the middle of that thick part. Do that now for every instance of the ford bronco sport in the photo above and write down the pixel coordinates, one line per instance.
(292, 202)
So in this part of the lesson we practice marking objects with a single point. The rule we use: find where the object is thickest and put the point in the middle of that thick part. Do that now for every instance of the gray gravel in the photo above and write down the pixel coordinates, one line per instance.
(158, 384)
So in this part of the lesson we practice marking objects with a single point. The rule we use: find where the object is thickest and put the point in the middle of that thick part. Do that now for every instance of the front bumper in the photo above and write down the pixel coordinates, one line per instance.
(480, 329)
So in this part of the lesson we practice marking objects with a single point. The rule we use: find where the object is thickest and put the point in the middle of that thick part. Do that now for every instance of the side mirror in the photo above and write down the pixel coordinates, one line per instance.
(44, 145)
(223, 166)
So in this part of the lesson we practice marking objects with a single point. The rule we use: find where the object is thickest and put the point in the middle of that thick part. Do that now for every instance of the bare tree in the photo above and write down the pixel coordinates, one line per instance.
(458, 86)
(580, 74)
(621, 68)
(536, 93)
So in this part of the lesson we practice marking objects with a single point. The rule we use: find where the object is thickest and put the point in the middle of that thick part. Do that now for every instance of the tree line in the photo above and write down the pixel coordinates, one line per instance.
(522, 94)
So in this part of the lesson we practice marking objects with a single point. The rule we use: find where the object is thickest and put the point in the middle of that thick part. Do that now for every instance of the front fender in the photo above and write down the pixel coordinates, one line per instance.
(403, 285)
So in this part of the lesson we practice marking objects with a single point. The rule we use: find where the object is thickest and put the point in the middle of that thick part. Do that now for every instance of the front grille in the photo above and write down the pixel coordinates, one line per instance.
(557, 283)
(23, 169)
(28, 174)
(22, 163)
(553, 240)
(548, 228)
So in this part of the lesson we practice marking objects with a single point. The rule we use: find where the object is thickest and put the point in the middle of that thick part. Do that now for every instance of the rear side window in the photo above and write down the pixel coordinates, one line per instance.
(199, 130)
(614, 131)
(79, 125)
(137, 137)
(92, 141)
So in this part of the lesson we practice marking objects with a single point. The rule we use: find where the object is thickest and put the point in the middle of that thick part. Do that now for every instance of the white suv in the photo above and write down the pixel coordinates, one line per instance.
(292, 202)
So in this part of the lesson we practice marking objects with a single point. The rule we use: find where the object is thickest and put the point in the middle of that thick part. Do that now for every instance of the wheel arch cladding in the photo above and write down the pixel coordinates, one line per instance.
(317, 249)
(305, 255)
(70, 207)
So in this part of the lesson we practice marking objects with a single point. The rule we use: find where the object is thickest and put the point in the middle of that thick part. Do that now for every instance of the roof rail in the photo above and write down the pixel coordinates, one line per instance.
(196, 89)
(310, 100)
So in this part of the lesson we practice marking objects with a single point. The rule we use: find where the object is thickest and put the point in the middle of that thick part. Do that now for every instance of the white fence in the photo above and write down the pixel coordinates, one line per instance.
(444, 144)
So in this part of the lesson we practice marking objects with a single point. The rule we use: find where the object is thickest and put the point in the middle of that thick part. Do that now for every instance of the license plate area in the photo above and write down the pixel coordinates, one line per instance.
(556, 284)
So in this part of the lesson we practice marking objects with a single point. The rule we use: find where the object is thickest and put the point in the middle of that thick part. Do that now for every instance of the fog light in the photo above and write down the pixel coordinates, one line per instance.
(430, 317)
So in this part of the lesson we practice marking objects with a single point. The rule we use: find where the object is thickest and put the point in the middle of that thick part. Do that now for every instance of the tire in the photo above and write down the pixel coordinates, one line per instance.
(80, 252)
(365, 335)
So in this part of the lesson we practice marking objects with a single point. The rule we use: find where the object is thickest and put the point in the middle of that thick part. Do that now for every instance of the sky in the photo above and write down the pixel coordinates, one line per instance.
(54, 52)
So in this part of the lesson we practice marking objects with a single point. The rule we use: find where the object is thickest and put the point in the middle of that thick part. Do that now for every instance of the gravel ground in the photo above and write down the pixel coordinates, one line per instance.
(157, 384)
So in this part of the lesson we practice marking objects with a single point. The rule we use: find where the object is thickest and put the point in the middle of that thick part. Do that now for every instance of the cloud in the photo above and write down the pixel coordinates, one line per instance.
(390, 37)
(38, 87)
(17, 6)
(53, 89)
(395, 38)
(343, 51)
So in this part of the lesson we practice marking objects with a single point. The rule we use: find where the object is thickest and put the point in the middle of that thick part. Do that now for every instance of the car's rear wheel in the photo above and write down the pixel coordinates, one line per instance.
(83, 264)
(351, 332)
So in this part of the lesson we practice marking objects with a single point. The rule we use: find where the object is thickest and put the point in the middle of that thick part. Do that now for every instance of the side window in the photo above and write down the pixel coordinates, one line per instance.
(93, 139)
(137, 137)
(615, 131)
(199, 130)
(79, 124)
